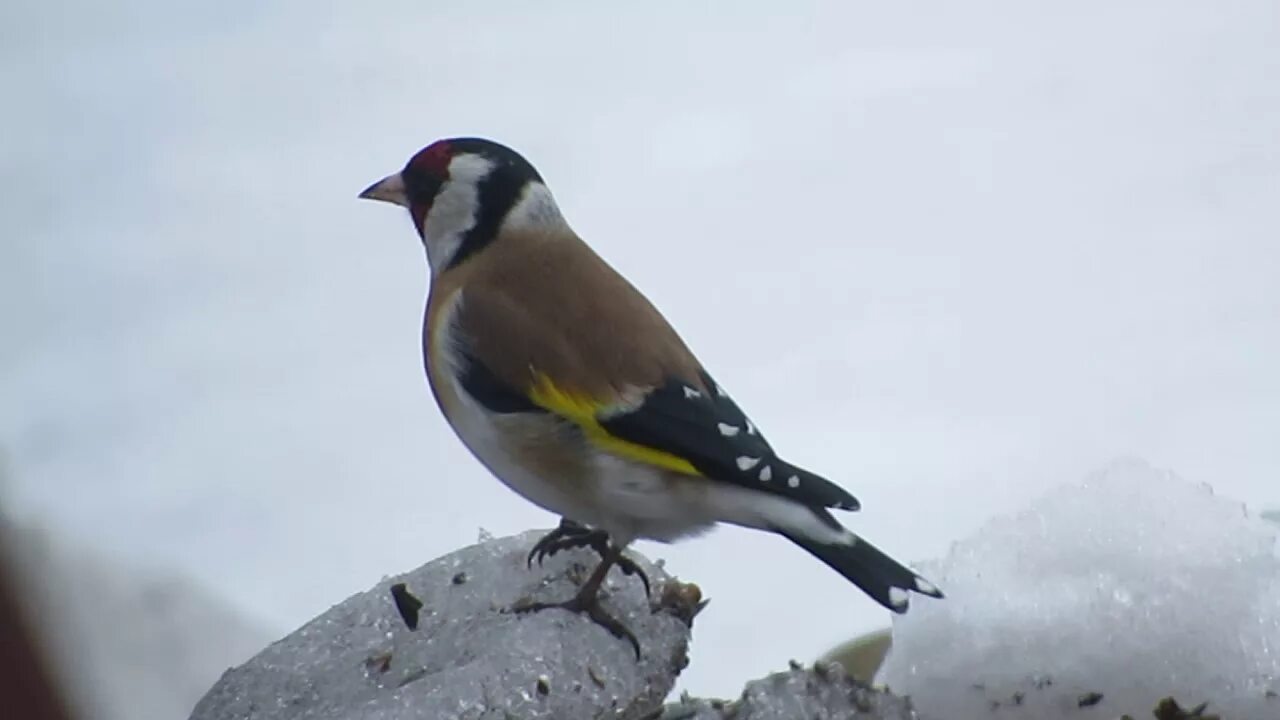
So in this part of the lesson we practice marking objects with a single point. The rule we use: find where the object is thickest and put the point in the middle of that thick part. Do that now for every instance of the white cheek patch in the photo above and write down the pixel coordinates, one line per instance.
(454, 210)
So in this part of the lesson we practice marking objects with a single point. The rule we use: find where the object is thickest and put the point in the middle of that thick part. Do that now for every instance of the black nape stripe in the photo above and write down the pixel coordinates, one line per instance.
(496, 194)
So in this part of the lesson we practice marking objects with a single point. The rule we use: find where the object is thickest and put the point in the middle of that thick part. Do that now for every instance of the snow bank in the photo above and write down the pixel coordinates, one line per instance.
(1100, 600)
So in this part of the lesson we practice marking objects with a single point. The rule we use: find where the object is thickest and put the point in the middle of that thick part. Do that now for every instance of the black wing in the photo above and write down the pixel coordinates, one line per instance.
(709, 430)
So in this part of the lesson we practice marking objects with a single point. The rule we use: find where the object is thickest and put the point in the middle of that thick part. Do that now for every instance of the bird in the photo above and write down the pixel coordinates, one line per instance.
(573, 389)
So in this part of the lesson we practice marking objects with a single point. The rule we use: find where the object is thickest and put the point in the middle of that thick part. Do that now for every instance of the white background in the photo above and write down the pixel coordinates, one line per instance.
(950, 255)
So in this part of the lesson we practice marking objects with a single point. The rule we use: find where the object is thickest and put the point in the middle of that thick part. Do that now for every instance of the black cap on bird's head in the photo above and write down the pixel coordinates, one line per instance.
(458, 192)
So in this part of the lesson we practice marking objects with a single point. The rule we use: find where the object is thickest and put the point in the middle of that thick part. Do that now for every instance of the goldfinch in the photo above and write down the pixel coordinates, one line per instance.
(571, 387)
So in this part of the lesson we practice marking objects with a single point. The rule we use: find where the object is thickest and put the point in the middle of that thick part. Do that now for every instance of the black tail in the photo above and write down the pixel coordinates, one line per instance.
(876, 573)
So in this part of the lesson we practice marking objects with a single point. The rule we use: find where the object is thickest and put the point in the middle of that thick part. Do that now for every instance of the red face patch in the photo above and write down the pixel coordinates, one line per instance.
(433, 160)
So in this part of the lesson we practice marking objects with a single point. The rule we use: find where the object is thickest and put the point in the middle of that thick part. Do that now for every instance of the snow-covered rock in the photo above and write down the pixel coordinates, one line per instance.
(470, 657)
(1098, 601)
(824, 692)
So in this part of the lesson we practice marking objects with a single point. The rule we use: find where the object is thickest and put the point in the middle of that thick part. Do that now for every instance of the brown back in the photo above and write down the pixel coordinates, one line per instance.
(544, 302)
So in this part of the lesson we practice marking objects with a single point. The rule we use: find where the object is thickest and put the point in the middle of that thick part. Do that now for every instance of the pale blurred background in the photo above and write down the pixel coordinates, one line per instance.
(950, 255)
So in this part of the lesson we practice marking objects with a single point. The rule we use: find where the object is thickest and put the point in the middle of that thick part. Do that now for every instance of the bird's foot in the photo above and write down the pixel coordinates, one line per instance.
(590, 606)
(630, 567)
(568, 535)
(572, 535)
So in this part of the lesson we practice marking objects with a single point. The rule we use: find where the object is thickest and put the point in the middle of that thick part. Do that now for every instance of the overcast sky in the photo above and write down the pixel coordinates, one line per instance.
(950, 256)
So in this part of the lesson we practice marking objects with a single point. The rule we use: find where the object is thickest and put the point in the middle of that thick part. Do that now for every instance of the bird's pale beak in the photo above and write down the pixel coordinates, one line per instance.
(388, 189)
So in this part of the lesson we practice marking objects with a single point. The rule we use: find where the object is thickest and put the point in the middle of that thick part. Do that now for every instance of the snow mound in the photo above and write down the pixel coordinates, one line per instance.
(469, 657)
(1098, 601)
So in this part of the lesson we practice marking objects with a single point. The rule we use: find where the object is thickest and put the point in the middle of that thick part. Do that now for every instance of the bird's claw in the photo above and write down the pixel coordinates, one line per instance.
(568, 535)
(572, 535)
(592, 609)
(631, 567)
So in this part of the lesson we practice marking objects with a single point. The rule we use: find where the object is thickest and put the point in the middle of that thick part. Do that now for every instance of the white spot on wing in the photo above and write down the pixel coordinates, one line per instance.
(926, 587)
(720, 391)
(793, 481)
(691, 393)
(728, 430)
(766, 473)
(751, 428)
(746, 463)
(897, 598)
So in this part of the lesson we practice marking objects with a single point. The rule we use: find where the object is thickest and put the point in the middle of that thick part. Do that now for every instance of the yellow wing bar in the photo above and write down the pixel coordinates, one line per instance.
(584, 411)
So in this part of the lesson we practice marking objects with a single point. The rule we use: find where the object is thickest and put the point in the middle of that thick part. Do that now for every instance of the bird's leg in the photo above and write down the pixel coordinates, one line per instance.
(587, 601)
(570, 534)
